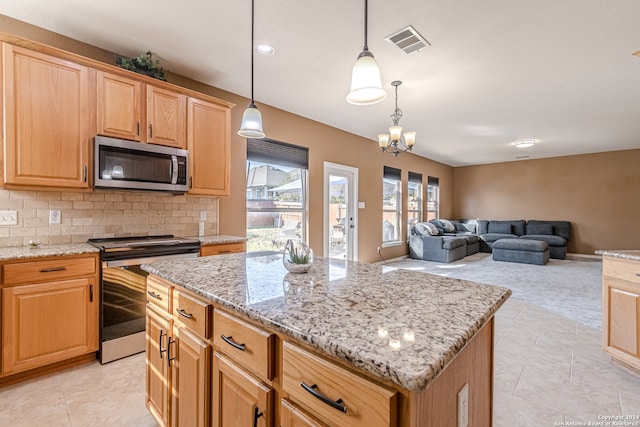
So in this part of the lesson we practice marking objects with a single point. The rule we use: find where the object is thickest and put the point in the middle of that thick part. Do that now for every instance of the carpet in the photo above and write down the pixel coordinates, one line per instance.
(571, 288)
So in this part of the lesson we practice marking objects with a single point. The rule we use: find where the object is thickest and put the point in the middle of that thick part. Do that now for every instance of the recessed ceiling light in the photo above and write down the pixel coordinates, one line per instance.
(265, 49)
(525, 143)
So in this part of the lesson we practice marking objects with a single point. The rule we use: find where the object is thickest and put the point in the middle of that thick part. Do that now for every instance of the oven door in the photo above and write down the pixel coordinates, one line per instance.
(123, 306)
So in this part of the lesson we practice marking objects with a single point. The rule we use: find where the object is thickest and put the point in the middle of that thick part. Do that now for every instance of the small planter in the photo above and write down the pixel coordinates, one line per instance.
(297, 257)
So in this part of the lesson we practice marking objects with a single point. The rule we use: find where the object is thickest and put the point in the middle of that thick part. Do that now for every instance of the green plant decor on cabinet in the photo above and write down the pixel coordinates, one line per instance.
(143, 64)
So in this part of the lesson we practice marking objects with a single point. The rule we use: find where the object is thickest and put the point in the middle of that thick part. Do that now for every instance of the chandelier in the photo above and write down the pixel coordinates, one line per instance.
(393, 141)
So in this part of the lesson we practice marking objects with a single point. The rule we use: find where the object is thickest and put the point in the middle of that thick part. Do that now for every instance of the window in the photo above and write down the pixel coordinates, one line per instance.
(433, 198)
(414, 200)
(276, 194)
(391, 205)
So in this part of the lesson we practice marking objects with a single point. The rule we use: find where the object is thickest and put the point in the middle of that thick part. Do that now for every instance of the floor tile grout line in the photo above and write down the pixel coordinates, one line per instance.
(620, 402)
(573, 356)
(513, 393)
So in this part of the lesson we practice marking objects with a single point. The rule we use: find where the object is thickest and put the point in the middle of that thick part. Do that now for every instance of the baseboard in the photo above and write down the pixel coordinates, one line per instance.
(587, 256)
(400, 258)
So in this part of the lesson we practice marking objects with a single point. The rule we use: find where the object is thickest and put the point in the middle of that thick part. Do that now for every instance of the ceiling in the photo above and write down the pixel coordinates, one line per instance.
(560, 72)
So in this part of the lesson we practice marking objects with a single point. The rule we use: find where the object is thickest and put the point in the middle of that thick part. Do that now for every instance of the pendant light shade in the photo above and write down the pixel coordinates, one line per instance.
(251, 125)
(366, 84)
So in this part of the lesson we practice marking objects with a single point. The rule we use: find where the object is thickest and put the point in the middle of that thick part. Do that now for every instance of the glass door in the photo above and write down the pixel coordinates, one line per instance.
(340, 211)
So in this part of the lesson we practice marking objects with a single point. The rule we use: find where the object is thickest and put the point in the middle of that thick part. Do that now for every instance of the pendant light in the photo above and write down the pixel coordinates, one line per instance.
(393, 141)
(366, 84)
(251, 125)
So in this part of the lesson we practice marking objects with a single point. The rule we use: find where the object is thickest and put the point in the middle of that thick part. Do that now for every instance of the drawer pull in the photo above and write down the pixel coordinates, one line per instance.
(231, 342)
(183, 313)
(50, 270)
(337, 404)
(154, 295)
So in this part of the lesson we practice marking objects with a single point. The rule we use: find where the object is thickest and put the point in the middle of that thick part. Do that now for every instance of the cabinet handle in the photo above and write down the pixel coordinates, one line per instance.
(160, 343)
(183, 313)
(154, 295)
(169, 358)
(51, 270)
(150, 130)
(84, 173)
(231, 342)
(337, 404)
(90, 293)
(138, 128)
(190, 182)
(638, 274)
(256, 415)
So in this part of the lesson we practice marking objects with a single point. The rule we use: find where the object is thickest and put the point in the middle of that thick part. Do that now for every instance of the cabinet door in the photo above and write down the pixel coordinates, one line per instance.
(190, 379)
(239, 400)
(166, 117)
(208, 141)
(158, 327)
(292, 416)
(48, 322)
(119, 112)
(48, 124)
(624, 319)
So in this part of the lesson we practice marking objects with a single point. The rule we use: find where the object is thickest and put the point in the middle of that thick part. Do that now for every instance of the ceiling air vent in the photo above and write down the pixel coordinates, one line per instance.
(408, 39)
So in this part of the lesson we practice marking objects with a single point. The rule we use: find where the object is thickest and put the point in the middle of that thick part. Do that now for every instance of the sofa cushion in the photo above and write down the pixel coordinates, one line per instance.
(492, 237)
(426, 229)
(465, 227)
(438, 225)
(560, 228)
(448, 226)
(551, 240)
(539, 228)
(453, 242)
(500, 228)
(521, 245)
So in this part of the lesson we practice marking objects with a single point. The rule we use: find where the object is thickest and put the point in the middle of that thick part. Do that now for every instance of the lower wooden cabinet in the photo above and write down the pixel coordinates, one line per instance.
(292, 416)
(48, 322)
(221, 249)
(621, 311)
(239, 400)
(178, 372)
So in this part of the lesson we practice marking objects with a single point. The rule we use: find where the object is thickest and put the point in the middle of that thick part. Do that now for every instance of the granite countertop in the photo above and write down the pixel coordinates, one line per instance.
(23, 252)
(398, 325)
(220, 239)
(632, 254)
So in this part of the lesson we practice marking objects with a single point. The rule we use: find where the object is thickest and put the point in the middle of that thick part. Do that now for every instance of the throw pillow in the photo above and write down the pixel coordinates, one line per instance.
(448, 226)
(438, 225)
(432, 229)
(499, 228)
(540, 229)
(421, 229)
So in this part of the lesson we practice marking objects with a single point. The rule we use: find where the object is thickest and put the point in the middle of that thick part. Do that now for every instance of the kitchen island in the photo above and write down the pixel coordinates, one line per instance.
(347, 344)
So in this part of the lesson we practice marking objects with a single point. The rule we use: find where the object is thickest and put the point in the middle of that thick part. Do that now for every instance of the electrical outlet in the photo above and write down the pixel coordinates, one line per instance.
(54, 217)
(203, 215)
(463, 406)
(378, 249)
(8, 218)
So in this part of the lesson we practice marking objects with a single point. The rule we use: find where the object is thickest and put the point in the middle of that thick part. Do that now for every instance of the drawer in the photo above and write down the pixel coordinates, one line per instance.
(159, 293)
(249, 346)
(292, 416)
(49, 270)
(227, 248)
(192, 312)
(624, 269)
(333, 394)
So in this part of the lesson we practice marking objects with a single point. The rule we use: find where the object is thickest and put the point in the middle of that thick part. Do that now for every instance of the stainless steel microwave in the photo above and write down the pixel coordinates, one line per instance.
(130, 165)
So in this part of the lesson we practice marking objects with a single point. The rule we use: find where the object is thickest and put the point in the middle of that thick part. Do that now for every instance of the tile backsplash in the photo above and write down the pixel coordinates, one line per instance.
(103, 213)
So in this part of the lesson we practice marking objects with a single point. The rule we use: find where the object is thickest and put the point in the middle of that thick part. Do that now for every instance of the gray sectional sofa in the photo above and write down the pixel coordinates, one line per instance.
(453, 240)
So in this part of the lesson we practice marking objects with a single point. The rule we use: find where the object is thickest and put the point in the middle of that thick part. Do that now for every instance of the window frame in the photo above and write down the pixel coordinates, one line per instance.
(433, 183)
(397, 240)
(419, 203)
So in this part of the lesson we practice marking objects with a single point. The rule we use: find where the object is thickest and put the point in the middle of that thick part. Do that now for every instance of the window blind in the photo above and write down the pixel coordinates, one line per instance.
(392, 173)
(267, 150)
(433, 181)
(415, 177)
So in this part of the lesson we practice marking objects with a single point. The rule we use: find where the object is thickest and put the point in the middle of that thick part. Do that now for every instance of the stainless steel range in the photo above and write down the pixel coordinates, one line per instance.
(123, 287)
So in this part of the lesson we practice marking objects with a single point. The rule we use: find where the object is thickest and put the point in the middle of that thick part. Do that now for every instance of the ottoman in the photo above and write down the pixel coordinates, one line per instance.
(521, 250)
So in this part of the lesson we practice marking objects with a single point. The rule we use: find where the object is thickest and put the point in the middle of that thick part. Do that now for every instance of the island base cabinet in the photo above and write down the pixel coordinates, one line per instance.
(621, 311)
(47, 322)
(239, 400)
(158, 327)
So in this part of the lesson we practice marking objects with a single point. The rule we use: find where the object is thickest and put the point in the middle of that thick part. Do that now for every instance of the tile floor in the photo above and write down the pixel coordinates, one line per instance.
(549, 371)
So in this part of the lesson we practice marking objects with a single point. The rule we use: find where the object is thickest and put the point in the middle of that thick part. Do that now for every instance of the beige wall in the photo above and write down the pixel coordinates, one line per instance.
(324, 142)
(598, 193)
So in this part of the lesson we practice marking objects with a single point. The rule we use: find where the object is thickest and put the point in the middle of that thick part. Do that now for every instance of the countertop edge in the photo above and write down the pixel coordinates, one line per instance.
(12, 253)
(630, 254)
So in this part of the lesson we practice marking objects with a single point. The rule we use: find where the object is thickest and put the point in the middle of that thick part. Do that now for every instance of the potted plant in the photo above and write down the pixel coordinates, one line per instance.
(143, 64)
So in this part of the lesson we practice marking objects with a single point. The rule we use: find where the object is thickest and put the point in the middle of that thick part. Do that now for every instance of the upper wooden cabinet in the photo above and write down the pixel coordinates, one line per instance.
(166, 117)
(48, 119)
(208, 142)
(121, 112)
